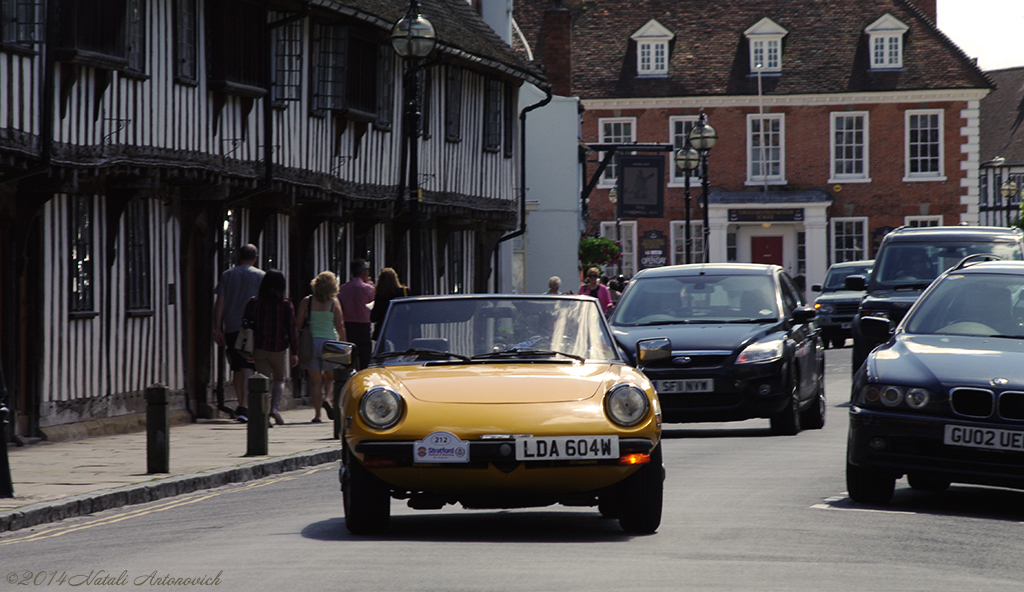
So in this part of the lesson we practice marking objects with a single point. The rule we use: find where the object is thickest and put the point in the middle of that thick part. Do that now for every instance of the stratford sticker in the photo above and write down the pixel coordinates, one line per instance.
(441, 447)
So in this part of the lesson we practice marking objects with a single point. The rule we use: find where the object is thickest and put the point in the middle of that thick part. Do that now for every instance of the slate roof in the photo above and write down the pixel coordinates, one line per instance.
(460, 29)
(825, 50)
(1002, 117)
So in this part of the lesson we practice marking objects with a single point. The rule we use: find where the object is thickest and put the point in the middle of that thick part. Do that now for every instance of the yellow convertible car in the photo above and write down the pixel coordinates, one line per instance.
(500, 401)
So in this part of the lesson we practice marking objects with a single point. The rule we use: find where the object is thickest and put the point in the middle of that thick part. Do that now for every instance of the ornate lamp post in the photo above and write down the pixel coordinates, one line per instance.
(413, 38)
(703, 138)
(688, 159)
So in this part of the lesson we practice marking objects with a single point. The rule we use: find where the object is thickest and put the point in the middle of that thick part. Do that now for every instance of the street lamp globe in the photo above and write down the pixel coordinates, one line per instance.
(687, 159)
(703, 136)
(1008, 189)
(413, 36)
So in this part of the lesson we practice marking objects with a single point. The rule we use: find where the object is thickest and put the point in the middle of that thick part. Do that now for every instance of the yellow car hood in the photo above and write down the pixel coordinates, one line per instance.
(500, 383)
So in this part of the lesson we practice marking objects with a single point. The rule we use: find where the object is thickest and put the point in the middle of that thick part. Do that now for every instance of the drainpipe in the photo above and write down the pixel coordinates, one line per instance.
(522, 181)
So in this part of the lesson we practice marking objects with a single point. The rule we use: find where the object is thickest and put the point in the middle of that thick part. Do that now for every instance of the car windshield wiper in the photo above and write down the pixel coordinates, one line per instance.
(516, 352)
(419, 352)
(758, 320)
(652, 323)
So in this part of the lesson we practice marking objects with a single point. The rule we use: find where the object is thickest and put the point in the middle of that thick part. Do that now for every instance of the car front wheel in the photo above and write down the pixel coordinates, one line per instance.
(787, 421)
(367, 500)
(869, 486)
(642, 494)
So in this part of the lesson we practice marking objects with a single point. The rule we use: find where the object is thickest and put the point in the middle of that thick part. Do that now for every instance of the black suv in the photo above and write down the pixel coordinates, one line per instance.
(909, 259)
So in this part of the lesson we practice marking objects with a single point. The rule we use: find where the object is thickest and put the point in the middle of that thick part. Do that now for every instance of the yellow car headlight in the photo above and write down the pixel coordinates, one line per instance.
(626, 405)
(380, 408)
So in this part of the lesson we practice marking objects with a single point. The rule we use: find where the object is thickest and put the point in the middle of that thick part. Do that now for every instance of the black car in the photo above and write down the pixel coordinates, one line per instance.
(725, 342)
(942, 400)
(909, 259)
(837, 306)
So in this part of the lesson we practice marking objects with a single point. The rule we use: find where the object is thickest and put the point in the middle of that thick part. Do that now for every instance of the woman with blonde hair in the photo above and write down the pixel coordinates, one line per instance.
(388, 287)
(326, 323)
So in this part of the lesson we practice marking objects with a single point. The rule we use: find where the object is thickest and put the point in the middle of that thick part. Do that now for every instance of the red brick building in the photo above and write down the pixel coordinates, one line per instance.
(836, 121)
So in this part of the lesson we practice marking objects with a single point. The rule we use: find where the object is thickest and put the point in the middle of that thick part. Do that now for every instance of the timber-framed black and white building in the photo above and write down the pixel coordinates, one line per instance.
(143, 141)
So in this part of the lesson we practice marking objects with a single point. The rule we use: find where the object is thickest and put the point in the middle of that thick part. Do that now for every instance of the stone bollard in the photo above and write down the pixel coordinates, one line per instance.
(259, 411)
(158, 430)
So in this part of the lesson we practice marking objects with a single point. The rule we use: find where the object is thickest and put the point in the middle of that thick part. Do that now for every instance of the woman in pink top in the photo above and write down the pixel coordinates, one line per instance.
(593, 287)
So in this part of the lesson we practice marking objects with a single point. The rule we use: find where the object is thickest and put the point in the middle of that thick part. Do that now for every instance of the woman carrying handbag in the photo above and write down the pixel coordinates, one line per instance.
(273, 325)
(321, 315)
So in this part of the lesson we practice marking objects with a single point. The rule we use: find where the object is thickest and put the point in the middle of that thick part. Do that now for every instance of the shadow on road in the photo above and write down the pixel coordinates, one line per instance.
(483, 526)
(959, 500)
(703, 432)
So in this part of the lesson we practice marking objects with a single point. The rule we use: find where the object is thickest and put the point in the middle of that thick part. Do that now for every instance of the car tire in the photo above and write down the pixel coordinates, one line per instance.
(787, 421)
(925, 482)
(642, 495)
(813, 418)
(367, 500)
(869, 486)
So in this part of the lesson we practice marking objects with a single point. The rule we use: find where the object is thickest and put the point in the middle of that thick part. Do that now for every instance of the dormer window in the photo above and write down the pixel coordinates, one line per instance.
(886, 42)
(765, 39)
(652, 49)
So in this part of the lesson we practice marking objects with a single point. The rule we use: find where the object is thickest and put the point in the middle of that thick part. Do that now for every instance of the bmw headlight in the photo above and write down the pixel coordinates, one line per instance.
(626, 405)
(380, 407)
(761, 351)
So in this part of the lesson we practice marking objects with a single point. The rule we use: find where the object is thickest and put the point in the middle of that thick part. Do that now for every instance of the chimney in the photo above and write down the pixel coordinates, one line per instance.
(928, 7)
(557, 49)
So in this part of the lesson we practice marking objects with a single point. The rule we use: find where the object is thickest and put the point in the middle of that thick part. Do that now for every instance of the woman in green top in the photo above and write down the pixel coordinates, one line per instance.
(326, 323)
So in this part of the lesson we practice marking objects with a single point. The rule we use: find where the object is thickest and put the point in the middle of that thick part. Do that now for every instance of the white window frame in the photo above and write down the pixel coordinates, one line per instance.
(780, 177)
(677, 178)
(677, 241)
(628, 227)
(652, 49)
(940, 127)
(608, 176)
(845, 177)
(764, 41)
(837, 225)
(919, 221)
(885, 42)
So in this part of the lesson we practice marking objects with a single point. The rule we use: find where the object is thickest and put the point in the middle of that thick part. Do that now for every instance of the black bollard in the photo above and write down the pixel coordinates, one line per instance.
(158, 430)
(6, 486)
(259, 411)
(340, 376)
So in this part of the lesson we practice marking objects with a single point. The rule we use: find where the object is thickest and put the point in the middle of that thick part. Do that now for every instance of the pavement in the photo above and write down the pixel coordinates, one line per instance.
(58, 480)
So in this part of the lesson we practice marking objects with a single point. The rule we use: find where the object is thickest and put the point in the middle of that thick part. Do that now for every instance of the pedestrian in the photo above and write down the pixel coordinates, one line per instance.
(592, 286)
(273, 325)
(237, 285)
(326, 322)
(388, 287)
(354, 295)
(554, 284)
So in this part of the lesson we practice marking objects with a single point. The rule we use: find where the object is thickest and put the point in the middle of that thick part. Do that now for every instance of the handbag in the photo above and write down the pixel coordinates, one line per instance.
(245, 342)
(305, 352)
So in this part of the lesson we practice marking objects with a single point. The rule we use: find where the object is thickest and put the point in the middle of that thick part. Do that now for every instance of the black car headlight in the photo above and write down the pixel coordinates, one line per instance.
(761, 351)
(626, 405)
(823, 307)
(888, 395)
(380, 407)
(880, 314)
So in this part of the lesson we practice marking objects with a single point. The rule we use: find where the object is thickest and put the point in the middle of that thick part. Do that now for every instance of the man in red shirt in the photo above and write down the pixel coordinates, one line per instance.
(354, 296)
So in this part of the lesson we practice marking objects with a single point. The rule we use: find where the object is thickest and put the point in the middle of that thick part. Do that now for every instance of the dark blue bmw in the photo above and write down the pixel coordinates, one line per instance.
(725, 342)
(942, 399)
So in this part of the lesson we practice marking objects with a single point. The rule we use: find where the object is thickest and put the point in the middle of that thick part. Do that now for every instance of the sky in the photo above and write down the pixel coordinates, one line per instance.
(990, 30)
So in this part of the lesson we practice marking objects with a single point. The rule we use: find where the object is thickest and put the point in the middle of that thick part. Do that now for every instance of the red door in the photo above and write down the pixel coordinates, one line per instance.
(766, 249)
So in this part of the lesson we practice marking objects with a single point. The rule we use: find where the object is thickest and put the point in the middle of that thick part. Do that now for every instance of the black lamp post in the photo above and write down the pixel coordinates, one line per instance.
(688, 159)
(413, 38)
(703, 138)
